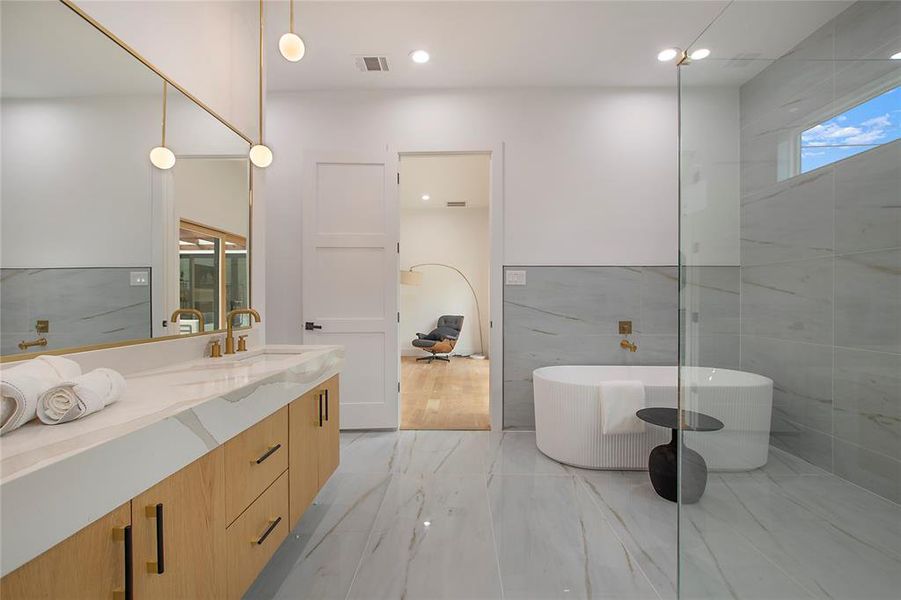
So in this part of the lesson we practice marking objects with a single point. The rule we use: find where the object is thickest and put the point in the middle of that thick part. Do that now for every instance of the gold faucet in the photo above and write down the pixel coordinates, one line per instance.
(229, 322)
(627, 345)
(188, 311)
(41, 341)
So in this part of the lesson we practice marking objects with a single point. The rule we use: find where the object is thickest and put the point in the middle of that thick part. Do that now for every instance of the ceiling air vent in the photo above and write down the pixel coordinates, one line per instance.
(456, 204)
(371, 63)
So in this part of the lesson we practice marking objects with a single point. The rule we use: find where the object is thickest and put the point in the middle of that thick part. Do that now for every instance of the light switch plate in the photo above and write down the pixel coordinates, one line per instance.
(515, 277)
(139, 278)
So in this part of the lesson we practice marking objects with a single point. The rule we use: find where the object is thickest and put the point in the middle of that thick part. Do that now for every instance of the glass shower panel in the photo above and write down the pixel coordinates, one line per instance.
(790, 304)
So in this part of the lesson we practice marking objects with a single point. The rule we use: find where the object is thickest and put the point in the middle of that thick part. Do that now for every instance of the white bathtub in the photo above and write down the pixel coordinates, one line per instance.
(568, 416)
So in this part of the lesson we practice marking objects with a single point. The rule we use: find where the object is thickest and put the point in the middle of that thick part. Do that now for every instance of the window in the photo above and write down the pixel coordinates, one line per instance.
(213, 275)
(866, 126)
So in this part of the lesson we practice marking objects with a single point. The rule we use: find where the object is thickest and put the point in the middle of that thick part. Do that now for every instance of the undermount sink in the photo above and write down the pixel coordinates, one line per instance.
(265, 353)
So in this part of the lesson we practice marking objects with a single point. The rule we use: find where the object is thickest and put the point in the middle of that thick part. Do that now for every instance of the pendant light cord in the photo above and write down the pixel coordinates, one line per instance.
(291, 28)
(165, 84)
(261, 73)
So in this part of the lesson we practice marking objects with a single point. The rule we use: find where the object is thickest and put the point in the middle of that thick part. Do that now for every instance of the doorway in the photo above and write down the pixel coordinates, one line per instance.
(444, 319)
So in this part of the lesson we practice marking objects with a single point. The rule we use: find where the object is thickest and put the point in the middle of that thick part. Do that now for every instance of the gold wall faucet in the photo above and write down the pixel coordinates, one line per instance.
(627, 345)
(230, 324)
(176, 314)
(41, 341)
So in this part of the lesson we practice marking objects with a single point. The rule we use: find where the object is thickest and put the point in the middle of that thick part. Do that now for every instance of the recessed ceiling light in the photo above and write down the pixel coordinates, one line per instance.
(426, 197)
(420, 57)
(896, 56)
(668, 54)
(699, 54)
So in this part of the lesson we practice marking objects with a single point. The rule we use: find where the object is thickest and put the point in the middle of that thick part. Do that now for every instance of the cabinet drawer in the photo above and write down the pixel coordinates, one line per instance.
(253, 460)
(256, 535)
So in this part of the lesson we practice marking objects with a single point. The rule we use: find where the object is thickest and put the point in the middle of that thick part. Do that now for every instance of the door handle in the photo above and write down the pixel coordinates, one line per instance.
(310, 326)
(320, 409)
(158, 567)
(326, 404)
(124, 535)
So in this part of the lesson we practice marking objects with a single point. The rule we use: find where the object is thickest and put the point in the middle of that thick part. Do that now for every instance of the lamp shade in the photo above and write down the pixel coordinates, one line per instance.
(410, 278)
(291, 47)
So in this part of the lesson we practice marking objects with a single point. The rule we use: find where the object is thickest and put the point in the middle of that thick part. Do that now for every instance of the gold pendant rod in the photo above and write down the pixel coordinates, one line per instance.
(261, 74)
(165, 86)
(291, 28)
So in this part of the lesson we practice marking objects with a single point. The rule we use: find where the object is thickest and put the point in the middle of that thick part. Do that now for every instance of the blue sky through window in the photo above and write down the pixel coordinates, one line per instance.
(864, 127)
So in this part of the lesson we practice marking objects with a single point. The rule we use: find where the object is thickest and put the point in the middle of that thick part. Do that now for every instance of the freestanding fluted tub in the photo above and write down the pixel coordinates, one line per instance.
(568, 415)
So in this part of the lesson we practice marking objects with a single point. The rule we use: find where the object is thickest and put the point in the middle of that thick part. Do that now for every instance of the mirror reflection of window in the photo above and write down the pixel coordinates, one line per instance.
(237, 292)
(213, 276)
(198, 278)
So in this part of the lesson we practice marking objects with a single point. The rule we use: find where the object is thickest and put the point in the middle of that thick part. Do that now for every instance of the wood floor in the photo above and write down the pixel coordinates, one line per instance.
(444, 395)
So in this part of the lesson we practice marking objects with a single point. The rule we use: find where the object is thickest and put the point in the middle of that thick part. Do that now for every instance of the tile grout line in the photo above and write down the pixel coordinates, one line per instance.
(375, 520)
(644, 574)
(497, 555)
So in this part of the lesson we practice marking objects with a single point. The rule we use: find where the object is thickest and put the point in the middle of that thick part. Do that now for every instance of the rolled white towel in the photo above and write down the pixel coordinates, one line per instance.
(81, 396)
(620, 400)
(22, 385)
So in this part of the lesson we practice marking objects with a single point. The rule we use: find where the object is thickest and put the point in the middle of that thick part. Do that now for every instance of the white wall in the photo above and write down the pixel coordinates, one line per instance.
(76, 186)
(453, 236)
(213, 192)
(710, 174)
(589, 175)
(208, 47)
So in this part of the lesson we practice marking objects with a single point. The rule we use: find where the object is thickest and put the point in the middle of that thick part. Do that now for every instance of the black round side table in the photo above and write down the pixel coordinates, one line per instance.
(663, 463)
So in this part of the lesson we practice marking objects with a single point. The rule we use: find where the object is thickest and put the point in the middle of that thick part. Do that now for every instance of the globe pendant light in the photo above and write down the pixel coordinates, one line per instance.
(290, 44)
(162, 157)
(260, 155)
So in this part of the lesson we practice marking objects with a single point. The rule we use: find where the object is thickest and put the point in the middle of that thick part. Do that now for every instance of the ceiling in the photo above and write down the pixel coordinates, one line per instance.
(526, 44)
(444, 178)
(49, 51)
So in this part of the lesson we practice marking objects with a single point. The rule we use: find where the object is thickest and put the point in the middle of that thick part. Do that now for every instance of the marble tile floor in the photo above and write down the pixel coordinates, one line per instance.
(477, 514)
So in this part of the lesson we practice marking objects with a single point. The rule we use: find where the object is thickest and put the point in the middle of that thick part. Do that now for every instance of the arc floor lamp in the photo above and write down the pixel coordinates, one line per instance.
(411, 277)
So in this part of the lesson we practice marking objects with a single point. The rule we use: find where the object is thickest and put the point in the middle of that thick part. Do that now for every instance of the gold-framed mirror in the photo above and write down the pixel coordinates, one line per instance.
(92, 251)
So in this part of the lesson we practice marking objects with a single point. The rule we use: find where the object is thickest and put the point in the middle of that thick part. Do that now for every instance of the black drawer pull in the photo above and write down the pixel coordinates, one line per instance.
(326, 404)
(268, 453)
(320, 409)
(269, 530)
(129, 564)
(159, 567)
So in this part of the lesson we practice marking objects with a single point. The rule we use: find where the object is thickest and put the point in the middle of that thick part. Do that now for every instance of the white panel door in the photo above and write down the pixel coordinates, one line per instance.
(350, 273)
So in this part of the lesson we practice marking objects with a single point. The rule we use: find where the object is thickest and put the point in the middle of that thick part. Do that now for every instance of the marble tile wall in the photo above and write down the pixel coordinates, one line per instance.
(569, 316)
(821, 258)
(84, 306)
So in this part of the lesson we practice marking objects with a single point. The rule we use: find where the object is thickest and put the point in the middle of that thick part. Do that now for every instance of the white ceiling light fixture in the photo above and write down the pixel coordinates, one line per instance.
(161, 157)
(699, 54)
(668, 54)
(260, 155)
(290, 44)
(896, 56)
(420, 57)
(426, 197)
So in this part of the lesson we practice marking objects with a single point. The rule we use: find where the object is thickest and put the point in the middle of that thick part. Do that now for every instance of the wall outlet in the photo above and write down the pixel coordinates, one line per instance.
(139, 278)
(515, 277)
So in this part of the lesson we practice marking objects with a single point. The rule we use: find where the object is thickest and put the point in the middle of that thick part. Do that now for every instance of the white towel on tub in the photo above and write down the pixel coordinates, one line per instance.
(81, 396)
(22, 385)
(620, 400)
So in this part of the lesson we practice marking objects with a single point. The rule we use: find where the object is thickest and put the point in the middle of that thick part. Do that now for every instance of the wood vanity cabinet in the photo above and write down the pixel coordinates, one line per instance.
(206, 531)
(314, 445)
(178, 528)
(329, 441)
(90, 564)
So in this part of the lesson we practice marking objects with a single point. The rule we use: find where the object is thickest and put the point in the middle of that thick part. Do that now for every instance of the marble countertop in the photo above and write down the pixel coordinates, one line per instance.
(54, 480)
